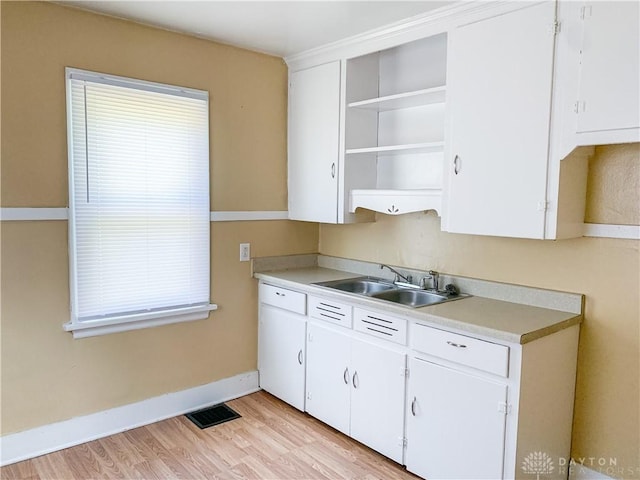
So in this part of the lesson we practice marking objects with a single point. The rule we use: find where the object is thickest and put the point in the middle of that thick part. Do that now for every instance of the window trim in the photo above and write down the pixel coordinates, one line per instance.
(134, 321)
(92, 328)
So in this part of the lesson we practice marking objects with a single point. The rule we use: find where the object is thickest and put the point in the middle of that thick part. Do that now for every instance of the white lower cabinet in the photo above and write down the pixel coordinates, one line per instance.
(328, 377)
(281, 344)
(357, 387)
(464, 407)
(455, 423)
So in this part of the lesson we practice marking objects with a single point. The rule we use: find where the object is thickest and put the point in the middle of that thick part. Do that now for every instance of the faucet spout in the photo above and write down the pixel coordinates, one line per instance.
(435, 276)
(399, 276)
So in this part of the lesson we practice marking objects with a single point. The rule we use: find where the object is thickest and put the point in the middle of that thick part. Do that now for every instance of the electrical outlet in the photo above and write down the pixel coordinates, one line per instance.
(245, 252)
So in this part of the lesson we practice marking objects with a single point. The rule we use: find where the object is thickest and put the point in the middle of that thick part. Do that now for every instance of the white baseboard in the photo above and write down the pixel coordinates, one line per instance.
(56, 436)
(579, 472)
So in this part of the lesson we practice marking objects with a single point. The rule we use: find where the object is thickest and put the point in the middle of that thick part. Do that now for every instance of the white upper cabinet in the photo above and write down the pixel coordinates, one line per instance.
(367, 134)
(599, 64)
(609, 86)
(314, 126)
(499, 96)
(475, 111)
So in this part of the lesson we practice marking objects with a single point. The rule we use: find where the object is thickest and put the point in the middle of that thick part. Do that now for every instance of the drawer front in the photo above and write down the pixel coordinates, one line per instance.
(487, 356)
(283, 298)
(381, 325)
(330, 311)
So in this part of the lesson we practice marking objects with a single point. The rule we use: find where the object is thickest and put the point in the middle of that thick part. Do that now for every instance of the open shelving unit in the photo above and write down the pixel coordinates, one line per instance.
(416, 98)
(394, 127)
(399, 149)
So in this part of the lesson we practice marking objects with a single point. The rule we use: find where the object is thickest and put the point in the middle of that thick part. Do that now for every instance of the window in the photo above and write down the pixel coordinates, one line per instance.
(138, 203)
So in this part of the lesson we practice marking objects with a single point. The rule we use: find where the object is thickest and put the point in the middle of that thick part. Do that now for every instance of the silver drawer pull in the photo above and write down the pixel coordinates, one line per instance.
(457, 345)
(345, 376)
(413, 406)
(355, 380)
(300, 357)
(280, 294)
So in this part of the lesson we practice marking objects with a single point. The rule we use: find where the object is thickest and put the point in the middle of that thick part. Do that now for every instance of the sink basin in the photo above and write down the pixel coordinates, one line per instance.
(360, 285)
(412, 298)
(384, 290)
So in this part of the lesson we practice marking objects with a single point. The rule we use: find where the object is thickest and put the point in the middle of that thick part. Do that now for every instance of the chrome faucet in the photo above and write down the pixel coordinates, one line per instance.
(398, 274)
(434, 277)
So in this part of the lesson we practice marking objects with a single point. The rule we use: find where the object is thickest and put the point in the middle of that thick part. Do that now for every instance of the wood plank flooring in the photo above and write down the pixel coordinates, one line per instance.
(271, 441)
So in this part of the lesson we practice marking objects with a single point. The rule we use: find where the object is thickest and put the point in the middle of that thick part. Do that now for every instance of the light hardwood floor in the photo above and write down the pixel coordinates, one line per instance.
(271, 441)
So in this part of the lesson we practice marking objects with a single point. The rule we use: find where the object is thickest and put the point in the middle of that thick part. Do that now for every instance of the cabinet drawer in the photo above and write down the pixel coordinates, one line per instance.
(487, 356)
(330, 311)
(381, 325)
(283, 298)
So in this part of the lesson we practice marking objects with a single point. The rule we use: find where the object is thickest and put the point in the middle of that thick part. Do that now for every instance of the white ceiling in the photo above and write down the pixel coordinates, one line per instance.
(279, 28)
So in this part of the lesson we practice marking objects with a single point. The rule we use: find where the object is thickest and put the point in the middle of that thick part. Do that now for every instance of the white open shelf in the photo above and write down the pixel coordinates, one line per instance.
(415, 98)
(399, 149)
(396, 202)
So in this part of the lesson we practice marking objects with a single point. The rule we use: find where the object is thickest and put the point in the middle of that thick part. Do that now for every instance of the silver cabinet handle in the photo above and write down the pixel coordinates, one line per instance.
(280, 294)
(333, 170)
(355, 380)
(456, 165)
(413, 406)
(300, 357)
(457, 345)
(345, 376)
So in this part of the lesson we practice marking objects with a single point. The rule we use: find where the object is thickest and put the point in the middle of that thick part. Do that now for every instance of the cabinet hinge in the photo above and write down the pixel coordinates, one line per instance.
(504, 407)
(404, 372)
(310, 338)
(402, 441)
(542, 206)
(585, 12)
(554, 27)
(579, 106)
(308, 395)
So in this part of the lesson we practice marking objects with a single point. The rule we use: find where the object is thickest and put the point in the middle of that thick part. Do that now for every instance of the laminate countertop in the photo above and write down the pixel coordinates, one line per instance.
(495, 319)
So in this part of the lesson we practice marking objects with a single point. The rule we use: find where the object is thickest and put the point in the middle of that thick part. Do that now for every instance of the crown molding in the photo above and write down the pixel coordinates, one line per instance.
(413, 28)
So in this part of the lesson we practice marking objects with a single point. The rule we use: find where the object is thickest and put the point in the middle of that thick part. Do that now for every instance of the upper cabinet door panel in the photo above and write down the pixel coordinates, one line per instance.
(610, 70)
(314, 126)
(499, 92)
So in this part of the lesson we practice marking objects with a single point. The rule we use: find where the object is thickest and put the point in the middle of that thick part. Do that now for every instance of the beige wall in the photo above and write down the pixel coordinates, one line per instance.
(607, 271)
(46, 375)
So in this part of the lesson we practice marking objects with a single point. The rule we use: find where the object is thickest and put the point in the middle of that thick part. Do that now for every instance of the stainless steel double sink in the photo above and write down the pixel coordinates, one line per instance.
(388, 291)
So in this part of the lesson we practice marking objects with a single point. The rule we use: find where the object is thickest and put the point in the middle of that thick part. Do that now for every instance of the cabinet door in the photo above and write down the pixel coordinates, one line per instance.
(314, 125)
(281, 354)
(499, 95)
(377, 398)
(609, 76)
(454, 427)
(328, 376)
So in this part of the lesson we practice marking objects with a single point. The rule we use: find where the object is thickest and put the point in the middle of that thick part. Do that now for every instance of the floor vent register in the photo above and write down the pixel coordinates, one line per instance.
(211, 416)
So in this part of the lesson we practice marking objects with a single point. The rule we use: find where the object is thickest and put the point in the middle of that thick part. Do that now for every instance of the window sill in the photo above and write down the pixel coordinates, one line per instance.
(92, 328)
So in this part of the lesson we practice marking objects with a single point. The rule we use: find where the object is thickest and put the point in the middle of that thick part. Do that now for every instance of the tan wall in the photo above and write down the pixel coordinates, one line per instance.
(46, 375)
(613, 194)
(607, 271)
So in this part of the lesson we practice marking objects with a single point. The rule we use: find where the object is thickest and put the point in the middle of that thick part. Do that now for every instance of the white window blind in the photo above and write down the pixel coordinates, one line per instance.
(139, 200)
